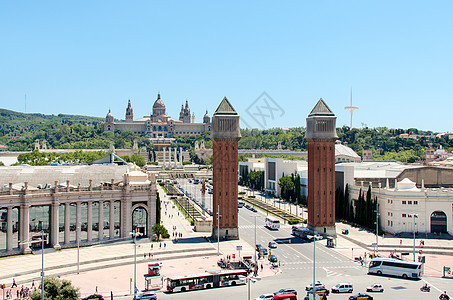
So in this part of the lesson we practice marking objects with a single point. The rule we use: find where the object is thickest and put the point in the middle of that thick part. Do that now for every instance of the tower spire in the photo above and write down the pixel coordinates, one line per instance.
(351, 108)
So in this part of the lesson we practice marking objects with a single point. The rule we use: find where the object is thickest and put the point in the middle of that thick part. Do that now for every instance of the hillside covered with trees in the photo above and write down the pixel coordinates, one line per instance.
(19, 132)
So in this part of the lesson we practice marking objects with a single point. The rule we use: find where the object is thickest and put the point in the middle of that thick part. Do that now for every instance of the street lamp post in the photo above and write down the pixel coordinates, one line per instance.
(413, 217)
(218, 230)
(256, 262)
(135, 234)
(314, 265)
(78, 247)
(377, 226)
(42, 257)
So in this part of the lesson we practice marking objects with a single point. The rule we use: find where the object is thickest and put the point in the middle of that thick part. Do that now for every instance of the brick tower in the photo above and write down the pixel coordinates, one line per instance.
(321, 136)
(225, 136)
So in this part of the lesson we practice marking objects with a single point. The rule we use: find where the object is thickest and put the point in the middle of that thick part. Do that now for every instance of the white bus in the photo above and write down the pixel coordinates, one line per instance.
(395, 267)
(272, 223)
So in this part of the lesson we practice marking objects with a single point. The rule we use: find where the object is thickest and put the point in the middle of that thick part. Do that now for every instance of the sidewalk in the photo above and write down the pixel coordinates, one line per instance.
(109, 267)
(438, 250)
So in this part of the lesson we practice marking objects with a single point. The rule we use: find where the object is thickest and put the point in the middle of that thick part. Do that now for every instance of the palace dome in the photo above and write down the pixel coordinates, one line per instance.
(159, 103)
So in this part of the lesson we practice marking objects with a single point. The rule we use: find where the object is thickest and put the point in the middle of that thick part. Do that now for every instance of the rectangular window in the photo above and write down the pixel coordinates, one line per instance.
(404, 215)
(409, 202)
(404, 202)
(415, 202)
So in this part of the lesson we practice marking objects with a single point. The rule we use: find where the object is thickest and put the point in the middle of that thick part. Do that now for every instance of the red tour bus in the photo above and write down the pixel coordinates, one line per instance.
(206, 280)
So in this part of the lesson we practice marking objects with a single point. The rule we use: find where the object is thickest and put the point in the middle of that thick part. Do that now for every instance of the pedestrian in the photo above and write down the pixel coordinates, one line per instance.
(151, 246)
(33, 283)
(261, 267)
(165, 245)
(160, 245)
(96, 289)
(14, 283)
(144, 255)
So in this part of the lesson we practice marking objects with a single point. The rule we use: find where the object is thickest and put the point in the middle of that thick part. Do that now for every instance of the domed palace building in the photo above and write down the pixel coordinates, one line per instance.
(159, 125)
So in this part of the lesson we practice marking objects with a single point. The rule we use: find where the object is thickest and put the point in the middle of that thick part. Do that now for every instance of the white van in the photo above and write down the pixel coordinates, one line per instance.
(342, 288)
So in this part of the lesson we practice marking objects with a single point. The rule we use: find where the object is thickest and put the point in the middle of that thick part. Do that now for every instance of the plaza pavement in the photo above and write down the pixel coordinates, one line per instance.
(109, 267)
(438, 250)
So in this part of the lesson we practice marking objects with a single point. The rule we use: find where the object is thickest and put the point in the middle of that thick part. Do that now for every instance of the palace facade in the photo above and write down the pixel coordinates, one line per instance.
(159, 125)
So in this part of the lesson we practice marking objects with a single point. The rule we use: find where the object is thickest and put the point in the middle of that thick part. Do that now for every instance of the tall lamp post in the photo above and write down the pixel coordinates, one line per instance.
(42, 256)
(377, 226)
(218, 230)
(314, 266)
(135, 233)
(256, 262)
(413, 217)
(78, 246)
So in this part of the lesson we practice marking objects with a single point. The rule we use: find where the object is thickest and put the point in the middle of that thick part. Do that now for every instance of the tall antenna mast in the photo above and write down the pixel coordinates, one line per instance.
(351, 108)
(25, 107)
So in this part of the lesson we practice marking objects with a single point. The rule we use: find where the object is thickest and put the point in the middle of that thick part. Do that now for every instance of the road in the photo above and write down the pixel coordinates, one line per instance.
(296, 258)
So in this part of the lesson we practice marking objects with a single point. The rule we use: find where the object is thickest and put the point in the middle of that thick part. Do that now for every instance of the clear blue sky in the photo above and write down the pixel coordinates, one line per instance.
(84, 57)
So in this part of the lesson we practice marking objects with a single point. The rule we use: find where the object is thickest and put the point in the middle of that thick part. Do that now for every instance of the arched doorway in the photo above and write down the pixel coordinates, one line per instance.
(438, 222)
(140, 220)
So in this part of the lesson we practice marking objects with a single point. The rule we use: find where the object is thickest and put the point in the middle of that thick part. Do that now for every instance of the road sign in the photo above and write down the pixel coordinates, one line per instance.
(238, 248)
(234, 255)
(420, 251)
(374, 245)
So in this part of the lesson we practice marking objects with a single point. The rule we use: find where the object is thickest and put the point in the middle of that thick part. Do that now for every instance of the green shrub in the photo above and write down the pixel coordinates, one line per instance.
(253, 196)
(240, 198)
(293, 221)
(241, 193)
(305, 221)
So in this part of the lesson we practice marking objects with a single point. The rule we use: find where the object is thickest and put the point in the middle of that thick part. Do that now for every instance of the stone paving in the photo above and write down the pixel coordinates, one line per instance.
(109, 267)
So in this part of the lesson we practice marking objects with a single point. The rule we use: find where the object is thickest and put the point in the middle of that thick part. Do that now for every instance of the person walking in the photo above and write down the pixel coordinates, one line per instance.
(14, 283)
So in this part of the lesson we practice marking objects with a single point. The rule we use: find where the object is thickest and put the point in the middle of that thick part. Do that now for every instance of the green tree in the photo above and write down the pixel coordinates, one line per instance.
(159, 230)
(286, 185)
(56, 289)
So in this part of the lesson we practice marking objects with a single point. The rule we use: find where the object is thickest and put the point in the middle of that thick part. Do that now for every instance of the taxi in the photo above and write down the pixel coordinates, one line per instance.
(361, 296)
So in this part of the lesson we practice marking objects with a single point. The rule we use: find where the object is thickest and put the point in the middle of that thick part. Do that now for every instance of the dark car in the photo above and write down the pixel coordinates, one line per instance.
(286, 291)
(273, 258)
(94, 297)
(361, 296)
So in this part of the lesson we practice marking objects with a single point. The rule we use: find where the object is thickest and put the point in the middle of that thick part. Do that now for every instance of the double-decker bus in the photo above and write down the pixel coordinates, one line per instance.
(301, 231)
(272, 223)
(206, 280)
(395, 267)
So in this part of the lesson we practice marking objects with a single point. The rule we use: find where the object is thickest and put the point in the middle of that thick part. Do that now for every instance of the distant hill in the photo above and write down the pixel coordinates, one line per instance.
(19, 131)
(37, 118)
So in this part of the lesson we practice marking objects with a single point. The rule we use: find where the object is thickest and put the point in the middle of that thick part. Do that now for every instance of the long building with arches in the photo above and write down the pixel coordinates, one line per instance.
(85, 204)
(158, 125)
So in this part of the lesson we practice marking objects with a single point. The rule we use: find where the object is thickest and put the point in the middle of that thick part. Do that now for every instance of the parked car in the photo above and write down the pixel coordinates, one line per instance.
(272, 258)
(324, 291)
(261, 249)
(318, 284)
(265, 297)
(361, 296)
(94, 297)
(147, 296)
(286, 291)
(272, 244)
(345, 231)
(377, 287)
(342, 288)
(321, 296)
(240, 204)
(285, 297)
(254, 209)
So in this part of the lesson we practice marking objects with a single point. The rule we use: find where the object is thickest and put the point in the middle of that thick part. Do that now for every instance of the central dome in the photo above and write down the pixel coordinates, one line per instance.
(158, 107)
(159, 103)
